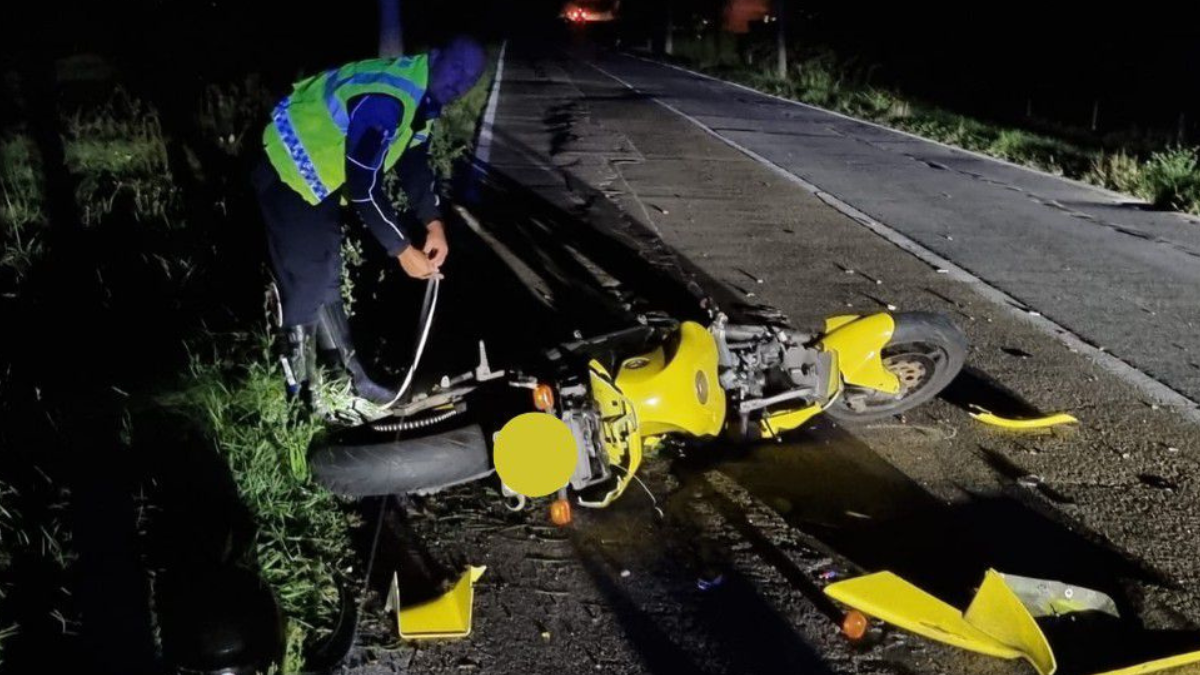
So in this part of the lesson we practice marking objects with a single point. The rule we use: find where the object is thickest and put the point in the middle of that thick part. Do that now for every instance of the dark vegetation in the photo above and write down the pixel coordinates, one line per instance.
(144, 434)
(1088, 96)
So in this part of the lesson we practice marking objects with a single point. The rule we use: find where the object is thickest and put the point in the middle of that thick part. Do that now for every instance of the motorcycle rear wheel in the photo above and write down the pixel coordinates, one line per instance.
(366, 464)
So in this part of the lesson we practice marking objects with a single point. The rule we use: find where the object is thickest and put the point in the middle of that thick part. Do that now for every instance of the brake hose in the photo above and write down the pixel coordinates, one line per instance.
(428, 308)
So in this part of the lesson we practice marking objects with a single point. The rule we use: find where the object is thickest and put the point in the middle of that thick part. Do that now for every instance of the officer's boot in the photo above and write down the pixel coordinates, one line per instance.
(333, 331)
(300, 360)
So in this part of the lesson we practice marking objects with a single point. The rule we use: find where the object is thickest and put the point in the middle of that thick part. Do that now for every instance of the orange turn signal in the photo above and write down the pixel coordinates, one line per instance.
(560, 512)
(543, 397)
(855, 624)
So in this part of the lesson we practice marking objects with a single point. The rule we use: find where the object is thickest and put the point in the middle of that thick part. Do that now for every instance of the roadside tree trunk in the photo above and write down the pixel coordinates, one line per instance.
(781, 55)
(391, 34)
(669, 38)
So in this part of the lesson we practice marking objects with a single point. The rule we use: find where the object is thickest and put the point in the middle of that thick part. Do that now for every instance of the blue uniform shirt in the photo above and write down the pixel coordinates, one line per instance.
(374, 120)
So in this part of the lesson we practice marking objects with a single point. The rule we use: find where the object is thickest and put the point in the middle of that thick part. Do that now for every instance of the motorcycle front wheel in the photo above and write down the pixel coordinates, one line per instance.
(926, 353)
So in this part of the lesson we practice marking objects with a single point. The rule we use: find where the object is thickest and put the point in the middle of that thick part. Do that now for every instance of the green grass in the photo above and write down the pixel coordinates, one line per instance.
(6, 633)
(118, 151)
(708, 51)
(1138, 164)
(22, 218)
(302, 531)
(1117, 171)
(454, 132)
(8, 534)
(1170, 179)
(353, 257)
(232, 115)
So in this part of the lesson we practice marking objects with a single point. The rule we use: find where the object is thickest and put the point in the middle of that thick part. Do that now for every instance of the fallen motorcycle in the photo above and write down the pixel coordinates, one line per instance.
(661, 381)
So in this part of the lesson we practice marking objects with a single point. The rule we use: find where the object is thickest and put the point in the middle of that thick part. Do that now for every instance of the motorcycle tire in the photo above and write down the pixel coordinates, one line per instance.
(372, 464)
(926, 353)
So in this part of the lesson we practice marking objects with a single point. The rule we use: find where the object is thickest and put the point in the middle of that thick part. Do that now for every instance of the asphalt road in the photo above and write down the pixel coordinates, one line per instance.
(598, 198)
(1120, 276)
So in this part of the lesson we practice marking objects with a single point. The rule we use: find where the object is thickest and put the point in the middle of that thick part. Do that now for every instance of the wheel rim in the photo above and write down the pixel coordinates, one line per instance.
(914, 364)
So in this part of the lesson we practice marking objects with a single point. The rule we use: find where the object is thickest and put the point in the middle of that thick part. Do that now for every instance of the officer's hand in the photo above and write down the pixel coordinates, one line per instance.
(435, 243)
(416, 264)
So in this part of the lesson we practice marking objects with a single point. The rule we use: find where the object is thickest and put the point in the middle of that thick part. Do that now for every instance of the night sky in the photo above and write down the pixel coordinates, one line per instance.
(988, 59)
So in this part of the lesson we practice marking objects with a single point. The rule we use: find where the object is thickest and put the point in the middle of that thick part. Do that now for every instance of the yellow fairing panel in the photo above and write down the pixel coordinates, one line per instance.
(889, 598)
(997, 611)
(447, 616)
(833, 323)
(774, 424)
(1036, 423)
(859, 343)
(680, 394)
(1158, 665)
(620, 429)
(998, 622)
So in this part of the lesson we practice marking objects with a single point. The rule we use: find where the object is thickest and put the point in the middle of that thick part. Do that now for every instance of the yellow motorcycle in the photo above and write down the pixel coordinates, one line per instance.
(624, 393)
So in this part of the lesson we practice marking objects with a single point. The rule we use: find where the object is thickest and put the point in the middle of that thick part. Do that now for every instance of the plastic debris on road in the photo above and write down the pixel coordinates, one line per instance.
(1047, 421)
(1001, 620)
(447, 616)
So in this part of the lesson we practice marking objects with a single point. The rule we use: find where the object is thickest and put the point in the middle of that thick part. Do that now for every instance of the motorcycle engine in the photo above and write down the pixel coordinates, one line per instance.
(761, 361)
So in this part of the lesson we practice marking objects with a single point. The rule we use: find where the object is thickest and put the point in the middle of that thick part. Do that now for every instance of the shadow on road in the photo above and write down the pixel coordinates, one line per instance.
(825, 482)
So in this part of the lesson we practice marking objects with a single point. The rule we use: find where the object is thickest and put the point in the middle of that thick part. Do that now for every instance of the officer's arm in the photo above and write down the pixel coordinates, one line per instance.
(420, 184)
(374, 119)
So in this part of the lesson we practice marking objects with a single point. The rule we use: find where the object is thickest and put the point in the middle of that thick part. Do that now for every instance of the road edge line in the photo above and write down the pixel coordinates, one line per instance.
(1146, 384)
(1112, 194)
(483, 148)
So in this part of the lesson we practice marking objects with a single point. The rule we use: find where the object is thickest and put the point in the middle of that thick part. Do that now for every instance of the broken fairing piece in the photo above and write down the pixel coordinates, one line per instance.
(447, 616)
(1034, 423)
(1043, 597)
(1000, 620)
(1157, 665)
(889, 598)
(999, 613)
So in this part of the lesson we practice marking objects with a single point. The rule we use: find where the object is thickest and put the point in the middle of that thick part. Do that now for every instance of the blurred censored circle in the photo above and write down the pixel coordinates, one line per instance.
(535, 454)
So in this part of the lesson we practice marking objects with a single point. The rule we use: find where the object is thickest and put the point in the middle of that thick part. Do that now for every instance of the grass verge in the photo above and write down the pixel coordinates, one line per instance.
(117, 152)
(301, 541)
(1167, 177)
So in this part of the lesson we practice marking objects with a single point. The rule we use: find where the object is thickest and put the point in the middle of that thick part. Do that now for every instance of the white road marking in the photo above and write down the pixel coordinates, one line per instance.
(1157, 391)
(483, 149)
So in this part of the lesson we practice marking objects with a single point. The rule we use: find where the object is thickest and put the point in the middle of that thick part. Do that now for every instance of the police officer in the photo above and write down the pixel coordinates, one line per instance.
(333, 138)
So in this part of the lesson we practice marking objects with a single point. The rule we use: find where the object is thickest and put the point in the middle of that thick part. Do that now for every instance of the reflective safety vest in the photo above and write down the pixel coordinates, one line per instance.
(306, 139)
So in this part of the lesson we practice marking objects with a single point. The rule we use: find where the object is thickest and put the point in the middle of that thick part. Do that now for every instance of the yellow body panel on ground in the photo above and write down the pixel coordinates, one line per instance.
(997, 623)
(1025, 424)
(1158, 665)
(448, 616)
(997, 611)
(889, 598)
